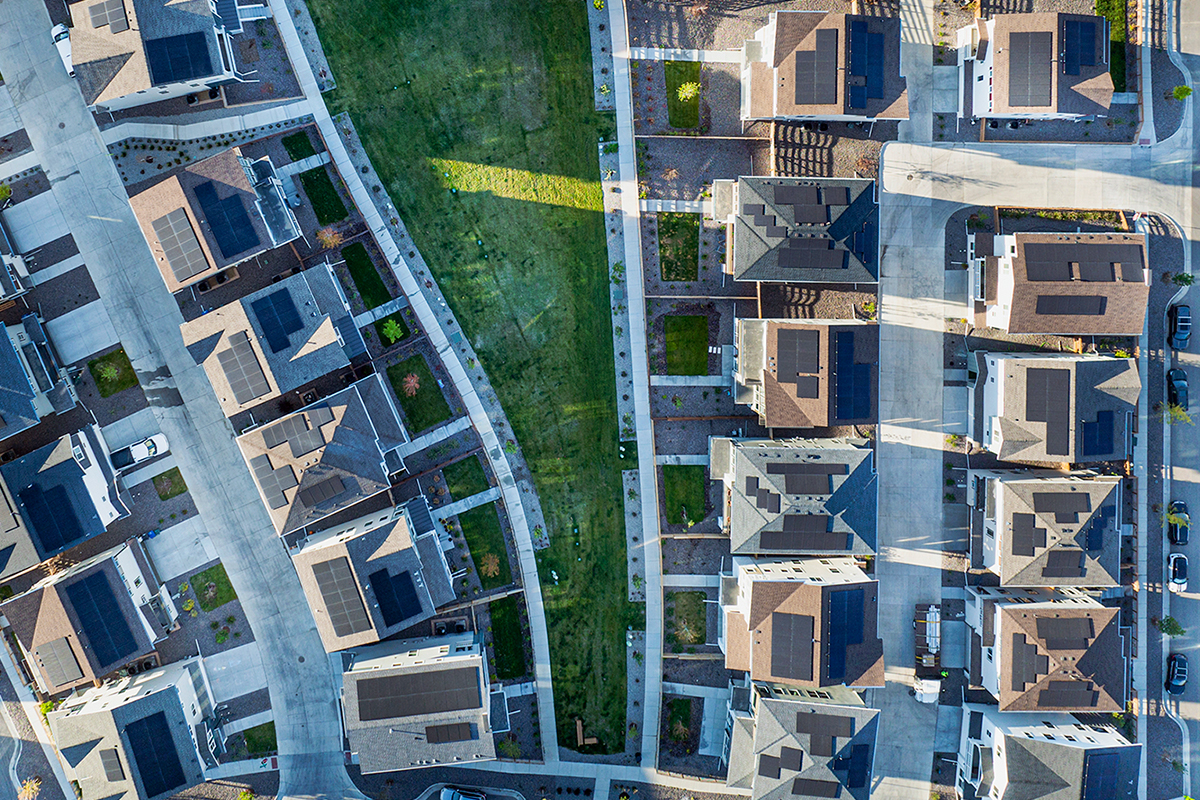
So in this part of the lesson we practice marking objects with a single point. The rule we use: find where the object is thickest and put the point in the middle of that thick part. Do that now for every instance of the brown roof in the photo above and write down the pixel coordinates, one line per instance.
(737, 642)
(1089, 92)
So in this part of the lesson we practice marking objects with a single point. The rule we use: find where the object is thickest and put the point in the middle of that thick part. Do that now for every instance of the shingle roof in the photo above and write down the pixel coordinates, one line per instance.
(1039, 769)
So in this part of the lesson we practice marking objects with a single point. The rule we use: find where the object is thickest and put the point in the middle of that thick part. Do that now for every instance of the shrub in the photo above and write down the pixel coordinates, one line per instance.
(688, 91)
(1181, 92)
(1170, 626)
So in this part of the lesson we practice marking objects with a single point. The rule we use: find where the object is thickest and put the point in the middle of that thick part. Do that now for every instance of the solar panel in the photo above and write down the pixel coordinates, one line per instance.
(341, 596)
(858, 48)
(111, 761)
(227, 220)
(278, 318)
(845, 624)
(245, 375)
(1065, 633)
(808, 386)
(179, 244)
(273, 481)
(1027, 537)
(418, 693)
(875, 51)
(805, 532)
(452, 732)
(110, 13)
(175, 59)
(320, 415)
(1093, 539)
(102, 625)
(810, 787)
(1046, 393)
(1065, 506)
(282, 431)
(1079, 45)
(857, 96)
(1072, 305)
(791, 758)
(1028, 665)
(154, 755)
(828, 724)
(797, 352)
(1067, 695)
(768, 766)
(1064, 564)
(816, 70)
(1098, 436)
(396, 594)
(860, 766)
(58, 662)
(304, 443)
(1100, 776)
(796, 194)
(321, 492)
(52, 516)
(1029, 73)
(851, 381)
(792, 646)
(835, 196)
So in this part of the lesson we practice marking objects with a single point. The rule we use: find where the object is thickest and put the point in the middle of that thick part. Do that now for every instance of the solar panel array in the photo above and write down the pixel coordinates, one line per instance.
(418, 693)
(762, 496)
(58, 662)
(396, 595)
(808, 478)
(1071, 305)
(1064, 564)
(1028, 665)
(321, 492)
(452, 732)
(179, 244)
(1065, 633)
(294, 430)
(1101, 776)
(272, 481)
(811, 787)
(52, 516)
(278, 318)
(866, 65)
(768, 766)
(845, 624)
(1065, 506)
(154, 754)
(110, 13)
(797, 353)
(341, 596)
(1027, 537)
(811, 253)
(852, 382)
(110, 759)
(1093, 539)
(791, 758)
(792, 646)
(102, 625)
(817, 70)
(1098, 436)
(174, 59)
(1079, 45)
(1068, 695)
(227, 219)
(1047, 393)
(1029, 68)
(240, 365)
(859, 767)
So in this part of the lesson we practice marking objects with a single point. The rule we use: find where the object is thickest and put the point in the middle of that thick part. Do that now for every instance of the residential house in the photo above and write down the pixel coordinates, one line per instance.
(33, 382)
(1066, 284)
(374, 576)
(55, 498)
(807, 374)
(213, 214)
(1054, 409)
(418, 703)
(275, 340)
(327, 456)
(147, 736)
(129, 53)
(782, 743)
(104, 614)
(1042, 528)
(14, 266)
(823, 65)
(806, 622)
(1047, 649)
(1034, 66)
(1014, 755)
(797, 496)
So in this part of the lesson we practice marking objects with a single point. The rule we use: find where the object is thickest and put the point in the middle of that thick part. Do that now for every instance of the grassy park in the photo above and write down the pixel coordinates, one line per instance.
(485, 136)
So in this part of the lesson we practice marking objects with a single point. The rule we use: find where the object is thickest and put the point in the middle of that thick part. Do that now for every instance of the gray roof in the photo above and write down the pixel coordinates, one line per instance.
(800, 496)
(823, 230)
(17, 386)
(1039, 769)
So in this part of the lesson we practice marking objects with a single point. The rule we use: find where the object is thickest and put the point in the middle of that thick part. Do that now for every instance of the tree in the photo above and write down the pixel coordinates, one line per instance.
(30, 789)
(1173, 413)
(412, 384)
(329, 238)
(5, 192)
(1183, 279)
(1169, 626)
(108, 372)
(490, 565)
(1181, 92)
(688, 92)
(245, 794)
(393, 331)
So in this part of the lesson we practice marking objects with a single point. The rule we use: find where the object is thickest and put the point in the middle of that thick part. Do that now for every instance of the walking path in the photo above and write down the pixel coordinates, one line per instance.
(466, 504)
(692, 581)
(699, 460)
(379, 312)
(434, 436)
(680, 54)
(691, 380)
(235, 123)
(296, 167)
(679, 206)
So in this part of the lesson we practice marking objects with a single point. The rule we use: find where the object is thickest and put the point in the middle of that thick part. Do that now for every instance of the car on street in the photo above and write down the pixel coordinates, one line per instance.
(454, 793)
(62, 41)
(1178, 523)
(1177, 388)
(1180, 318)
(1177, 669)
(1177, 569)
(137, 452)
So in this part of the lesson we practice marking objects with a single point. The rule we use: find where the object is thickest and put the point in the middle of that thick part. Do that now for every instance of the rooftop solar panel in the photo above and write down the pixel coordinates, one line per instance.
(110, 759)
(791, 758)
(110, 13)
(852, 382)
(1045, 394)
(1072, 305)
(52, 516)
(1101, 776)
(875, 51)
(793, 194)
(845, 623)
(102, 625)
(452, 732)
(1067, 695)
(1065, 633)
(1079, 45)
(179, 244)
(273, 481)
(227, 220)
(816, 70)
(768, 766)
(857, 96)
(808, 386)
(1064, 564)
(321, 492)
(835, 196)
(339, 592)
(1027, 536)
(58, 662)
(240, 364)
(811, 787)
(418, 693)
(1029, 70)
(792, 646)
(828, 724)
(860, 766)
(277, 316)
(396, 595)
(175, 59)
(154, 755)
(1099, 435)
(1028, 665)
(1065, 506)
(797, 352)
(858, 48)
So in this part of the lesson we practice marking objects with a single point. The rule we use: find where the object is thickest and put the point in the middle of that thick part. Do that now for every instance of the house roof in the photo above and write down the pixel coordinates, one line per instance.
(160, 42)
(1058, 658)
(1059, 532)
(1092, 425)
(388, 582)
(825, 64)
(1035, 68)
(805, 229)
(1039, 769)
(326, 456)
(807, 750)
(1078, 284)
(274, 340)
(801, 496)
(29, 367)
(809, 374)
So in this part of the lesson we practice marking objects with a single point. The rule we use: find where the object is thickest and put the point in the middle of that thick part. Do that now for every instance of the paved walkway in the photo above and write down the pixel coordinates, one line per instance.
(379, 312)
(700, 460)
(434, 436)
(691, 380)
(296, 167)
(679, 206)
(211, 127)
(55, 270)
(691, 581)
(15, 166)
(467, 503)
(680, 54)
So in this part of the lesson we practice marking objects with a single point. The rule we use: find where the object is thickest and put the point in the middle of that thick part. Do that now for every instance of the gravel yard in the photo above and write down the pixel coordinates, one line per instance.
(833, 150)
(1168, 112)
(695, 556)
(683, 167)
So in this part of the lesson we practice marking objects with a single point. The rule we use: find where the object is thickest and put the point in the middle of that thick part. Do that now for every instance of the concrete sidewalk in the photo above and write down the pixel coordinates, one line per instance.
(467, 503)
(677, 206)
(691, 380)
(679, 54)
(434, 436)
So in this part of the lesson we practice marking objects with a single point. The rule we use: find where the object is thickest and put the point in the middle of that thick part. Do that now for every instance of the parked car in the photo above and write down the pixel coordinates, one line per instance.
(1180, 523)
(146, 449)
(1177, 673)
(1177, 389)
(1180, 318)
(62, 41)
(453, 793)
(1177, 569)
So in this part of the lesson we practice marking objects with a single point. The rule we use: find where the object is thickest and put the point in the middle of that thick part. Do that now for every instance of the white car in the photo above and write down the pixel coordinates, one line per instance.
(62, 40)
(454, 793)
(1177, 569)
(137, 452)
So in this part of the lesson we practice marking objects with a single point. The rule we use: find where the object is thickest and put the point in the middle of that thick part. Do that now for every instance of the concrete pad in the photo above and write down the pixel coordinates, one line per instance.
(10, 120)
(180, 550)
(694, 460)
(134, 428)
(957, 290)
(956, 519)
(151, 470)
(712, 727)
(82, 332)
(903, 760)
(235, 672)
(36, 221)
(945, 90)
(949, 726)
(955, 400)
(954, 645)
(56, 270)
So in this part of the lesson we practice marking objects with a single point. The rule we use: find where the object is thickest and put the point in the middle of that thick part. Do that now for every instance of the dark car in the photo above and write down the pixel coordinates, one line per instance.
(1181, 327)
(1177, 393)
(1177, 669)
(1178, 523)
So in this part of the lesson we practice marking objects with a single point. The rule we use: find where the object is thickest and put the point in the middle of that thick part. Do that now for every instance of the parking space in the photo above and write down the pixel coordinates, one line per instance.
(180, 550)
(82, 332)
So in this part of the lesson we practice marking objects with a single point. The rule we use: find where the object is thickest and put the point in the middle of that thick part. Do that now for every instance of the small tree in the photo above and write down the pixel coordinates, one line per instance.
(5, 192)
(688, 92)
(490, 565)
(393, 331)
(412, 384)
(245, 794)
(1173, 413)
(108, 372)
(1181, 92)
(1183, 279)
(1169, 626)
(329, 238)
(30, 789)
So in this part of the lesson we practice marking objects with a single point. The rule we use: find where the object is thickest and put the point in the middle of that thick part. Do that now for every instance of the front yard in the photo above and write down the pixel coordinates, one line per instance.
(507, 639)
(323, 196)
(485, 539)
(366, 278)
(212, 588)
(113, 373)
(420, 396)
(687, 345)
(678, 246)
(683, 112)
(685, 490)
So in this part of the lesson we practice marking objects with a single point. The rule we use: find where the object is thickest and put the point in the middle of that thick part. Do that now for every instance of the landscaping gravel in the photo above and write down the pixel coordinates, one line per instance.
(524, 729)
(695, 556)
(1165, 76)
(684, 436)
(602, 60)
(711, 279)
(697, 672)
(684, 167)
(686, 401)
(27, 184)
(635, 550)
(719, 24)
(842, 150)
(720, 101)
(260, 50)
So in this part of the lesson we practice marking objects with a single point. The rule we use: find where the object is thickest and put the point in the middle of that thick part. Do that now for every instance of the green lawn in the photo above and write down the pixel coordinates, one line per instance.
(427, 407)
(503, 112)
(260, 740)
(366, 278)
(1114, 12)
(679, 718)
(383, 328)
(685, 488)
(113, 373)
(299, 146)
(169, 484)
(688, 618)
(687, 345)
(678, 246)
(465, 478)
(507, 639)
(210, 598)
(326, 202)
(481, 528)
(682, 113)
